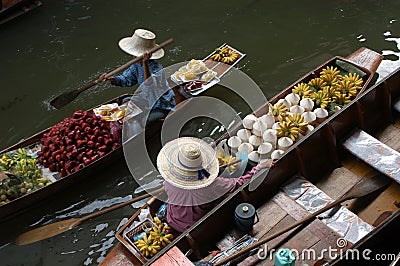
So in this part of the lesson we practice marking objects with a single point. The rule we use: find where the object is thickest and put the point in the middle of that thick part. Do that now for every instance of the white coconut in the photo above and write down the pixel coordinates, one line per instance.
(256, 129)
(259, 127)
(309, 128)
(276, 154)
(245, 147)
(307, 104)
(285, 103)
(267, 120)
(265, 147)
(276, 125)
(337, 108)
(265, 150)
(255, 140)
(293, 98)
(249, 120)
(270, 136)
(244, 134)
(284, 143)
(297, 109)
(309, 116)
(234, 142)
(321, 114)
(254, 156)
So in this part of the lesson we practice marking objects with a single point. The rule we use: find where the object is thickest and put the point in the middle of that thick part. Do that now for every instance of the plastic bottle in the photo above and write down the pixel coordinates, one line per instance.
(162, 211)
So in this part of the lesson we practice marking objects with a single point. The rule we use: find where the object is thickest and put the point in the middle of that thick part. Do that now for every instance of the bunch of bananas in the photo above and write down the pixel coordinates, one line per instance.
(278, 111)
(330, 88)
(317, 84)
(330, 79)
(320, 98)
(155, 240)
(298, 121)
(342, 99)
(225, 55)
(22, 175)
(161, 235)
(224, 158)
(354, 79)
(330, 70)
(147, 247)
(302, 89)
(287, 129)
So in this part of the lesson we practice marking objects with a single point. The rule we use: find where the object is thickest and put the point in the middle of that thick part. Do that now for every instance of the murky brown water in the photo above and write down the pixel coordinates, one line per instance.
(63, 45)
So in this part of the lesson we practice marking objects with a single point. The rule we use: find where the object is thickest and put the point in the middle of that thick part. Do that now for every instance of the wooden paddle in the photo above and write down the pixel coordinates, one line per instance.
(362, 189)
(68, 97)
(56, 228)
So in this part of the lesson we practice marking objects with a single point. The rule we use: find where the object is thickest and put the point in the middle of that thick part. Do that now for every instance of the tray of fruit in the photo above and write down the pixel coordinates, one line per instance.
(226, 54)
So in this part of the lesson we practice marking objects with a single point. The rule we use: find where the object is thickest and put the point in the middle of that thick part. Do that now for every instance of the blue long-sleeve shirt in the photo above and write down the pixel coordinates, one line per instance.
(158, 93)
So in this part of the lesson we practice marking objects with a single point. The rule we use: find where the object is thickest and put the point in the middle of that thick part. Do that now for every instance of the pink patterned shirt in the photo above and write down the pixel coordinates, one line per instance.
(196, 204)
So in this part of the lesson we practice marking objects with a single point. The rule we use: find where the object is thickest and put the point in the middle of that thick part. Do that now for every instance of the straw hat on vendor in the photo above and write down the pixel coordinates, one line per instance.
(190, 168)
(141, 41)
(188, 163)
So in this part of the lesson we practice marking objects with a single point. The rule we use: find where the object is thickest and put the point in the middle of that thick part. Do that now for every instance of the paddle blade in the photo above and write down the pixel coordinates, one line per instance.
(367, 186)
(46, 231)
(64, 99)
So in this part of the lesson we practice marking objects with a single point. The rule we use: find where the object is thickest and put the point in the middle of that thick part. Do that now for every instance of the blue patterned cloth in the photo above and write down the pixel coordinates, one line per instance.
(157, 94)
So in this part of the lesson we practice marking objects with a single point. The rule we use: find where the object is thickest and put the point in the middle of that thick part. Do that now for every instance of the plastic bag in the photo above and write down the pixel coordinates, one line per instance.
(116, 131)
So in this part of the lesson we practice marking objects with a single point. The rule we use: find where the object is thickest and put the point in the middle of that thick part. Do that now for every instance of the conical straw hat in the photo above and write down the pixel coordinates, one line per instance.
(141, 41)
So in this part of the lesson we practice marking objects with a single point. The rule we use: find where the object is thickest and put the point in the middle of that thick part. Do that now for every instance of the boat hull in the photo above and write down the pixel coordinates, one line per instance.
(9, 210)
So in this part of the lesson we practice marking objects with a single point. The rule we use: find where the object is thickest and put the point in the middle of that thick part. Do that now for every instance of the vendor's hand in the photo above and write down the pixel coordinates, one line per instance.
(146, 57)
(267, 164)
(104, 78)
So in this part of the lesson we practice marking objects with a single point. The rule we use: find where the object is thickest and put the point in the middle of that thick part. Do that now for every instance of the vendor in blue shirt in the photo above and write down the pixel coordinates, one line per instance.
(154, 93)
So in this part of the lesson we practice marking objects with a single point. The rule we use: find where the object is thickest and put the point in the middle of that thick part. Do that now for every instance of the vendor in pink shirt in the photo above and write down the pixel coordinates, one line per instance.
(190, 168)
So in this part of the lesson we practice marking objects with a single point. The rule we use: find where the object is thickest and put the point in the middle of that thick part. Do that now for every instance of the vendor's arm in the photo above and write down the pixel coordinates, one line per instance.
(238, 182)
(145, 64)
(128, 78)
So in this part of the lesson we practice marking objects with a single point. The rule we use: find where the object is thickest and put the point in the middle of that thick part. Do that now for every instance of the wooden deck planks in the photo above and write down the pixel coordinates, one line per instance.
(338, 183)
(270, 214)
(317, 227)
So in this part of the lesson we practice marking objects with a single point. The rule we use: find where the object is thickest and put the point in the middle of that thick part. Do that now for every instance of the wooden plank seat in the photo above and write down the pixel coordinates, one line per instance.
(375, 153)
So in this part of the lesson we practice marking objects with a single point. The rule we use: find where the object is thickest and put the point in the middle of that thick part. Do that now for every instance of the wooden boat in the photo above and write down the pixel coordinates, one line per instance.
(321, 147)
(18, 204)
(10, 9)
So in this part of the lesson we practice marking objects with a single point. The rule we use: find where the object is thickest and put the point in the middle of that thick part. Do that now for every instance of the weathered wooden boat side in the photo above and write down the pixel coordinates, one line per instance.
(212, 227)
(10, 9)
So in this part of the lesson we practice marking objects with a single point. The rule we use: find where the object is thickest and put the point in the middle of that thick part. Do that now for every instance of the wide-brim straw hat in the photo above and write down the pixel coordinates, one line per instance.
(188, 163)
(141, 41)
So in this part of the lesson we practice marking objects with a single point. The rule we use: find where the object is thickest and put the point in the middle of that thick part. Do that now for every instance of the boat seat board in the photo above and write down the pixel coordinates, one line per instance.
(375, 153)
